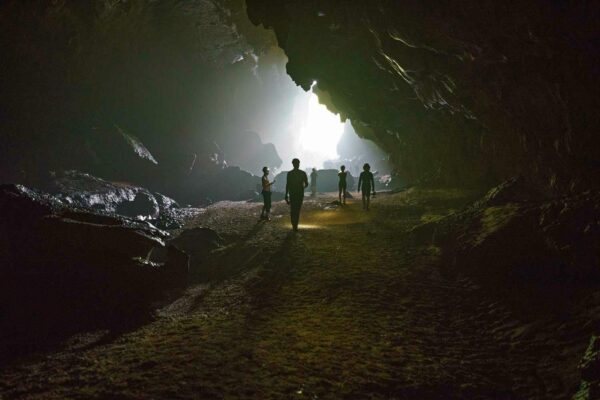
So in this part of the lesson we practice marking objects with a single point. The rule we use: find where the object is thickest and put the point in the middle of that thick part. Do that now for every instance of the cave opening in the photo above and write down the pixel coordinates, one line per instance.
(320, 133)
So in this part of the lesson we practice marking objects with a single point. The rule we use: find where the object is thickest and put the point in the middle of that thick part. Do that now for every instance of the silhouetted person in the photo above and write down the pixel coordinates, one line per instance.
(313, 182)
(366, 183)
(297, 181)
(342, 183)
(266, 192)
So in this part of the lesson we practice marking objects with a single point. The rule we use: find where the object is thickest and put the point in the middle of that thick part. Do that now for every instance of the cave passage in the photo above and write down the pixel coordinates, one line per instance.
(135, 258)
(356, 304)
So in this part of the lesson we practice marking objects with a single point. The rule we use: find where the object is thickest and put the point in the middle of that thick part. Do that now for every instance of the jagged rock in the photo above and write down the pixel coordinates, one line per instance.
(165, 202)
(87, 192)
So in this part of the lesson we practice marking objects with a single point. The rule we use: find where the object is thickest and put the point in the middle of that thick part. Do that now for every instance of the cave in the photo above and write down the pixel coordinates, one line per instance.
(159, 240)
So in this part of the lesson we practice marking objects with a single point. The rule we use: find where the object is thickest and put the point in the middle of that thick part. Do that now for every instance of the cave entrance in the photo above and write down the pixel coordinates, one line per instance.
(319, 132)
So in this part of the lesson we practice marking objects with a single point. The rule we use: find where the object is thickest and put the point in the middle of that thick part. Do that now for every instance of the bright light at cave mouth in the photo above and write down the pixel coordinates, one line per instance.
(322, 130)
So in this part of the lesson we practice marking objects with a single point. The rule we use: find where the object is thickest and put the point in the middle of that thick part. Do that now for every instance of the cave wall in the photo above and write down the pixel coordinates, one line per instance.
(467, 93)
(177, 75)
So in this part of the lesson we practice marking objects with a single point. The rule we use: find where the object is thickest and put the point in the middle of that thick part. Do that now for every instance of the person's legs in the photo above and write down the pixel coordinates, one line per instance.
(364, 200)
(340, 188)
(295, 205)
(264, 208)
(368, 195)
(267, 196)
(344, 193)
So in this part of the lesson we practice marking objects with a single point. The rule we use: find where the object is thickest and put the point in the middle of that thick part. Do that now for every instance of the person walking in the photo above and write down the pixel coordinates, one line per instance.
(366, 183)
(342, 184)
(266, 192)
(297, 181)
(313, 182)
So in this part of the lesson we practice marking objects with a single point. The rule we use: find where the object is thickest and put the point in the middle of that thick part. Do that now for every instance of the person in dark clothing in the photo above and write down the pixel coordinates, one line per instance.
(366, 183)
(313, 182)
(342, 183)
(297, 181)
(266, 192)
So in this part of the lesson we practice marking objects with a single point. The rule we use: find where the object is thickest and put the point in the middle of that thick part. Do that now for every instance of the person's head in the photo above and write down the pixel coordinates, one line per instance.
(314, 170)
(296, 163)
(266, 170)
(367, 167)
(343, 168)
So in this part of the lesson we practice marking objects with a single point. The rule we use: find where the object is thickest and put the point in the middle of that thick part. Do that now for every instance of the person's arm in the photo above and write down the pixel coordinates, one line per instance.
(373, 183)
(359, 181)
(305, 180)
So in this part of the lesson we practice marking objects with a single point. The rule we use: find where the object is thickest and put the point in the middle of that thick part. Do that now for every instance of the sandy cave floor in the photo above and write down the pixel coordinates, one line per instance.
(351, 307)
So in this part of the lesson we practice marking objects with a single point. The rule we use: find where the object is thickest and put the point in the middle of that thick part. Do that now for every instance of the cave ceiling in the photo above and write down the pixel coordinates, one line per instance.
(470, 93)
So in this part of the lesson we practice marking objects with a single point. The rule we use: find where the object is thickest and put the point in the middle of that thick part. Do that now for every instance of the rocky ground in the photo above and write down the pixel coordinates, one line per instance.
(356, 305)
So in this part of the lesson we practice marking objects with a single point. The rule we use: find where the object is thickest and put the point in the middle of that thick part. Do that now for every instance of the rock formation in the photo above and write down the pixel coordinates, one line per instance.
(63, 269)
(470, 93)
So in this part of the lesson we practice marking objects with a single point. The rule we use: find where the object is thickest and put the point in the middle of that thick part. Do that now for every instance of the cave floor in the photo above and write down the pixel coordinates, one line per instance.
(349, 307)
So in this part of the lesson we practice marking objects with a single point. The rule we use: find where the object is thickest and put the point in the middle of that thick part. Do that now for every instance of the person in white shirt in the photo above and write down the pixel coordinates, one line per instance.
(266, 192)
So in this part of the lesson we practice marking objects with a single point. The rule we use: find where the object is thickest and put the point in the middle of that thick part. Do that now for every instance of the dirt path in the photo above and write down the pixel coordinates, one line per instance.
(349, 307)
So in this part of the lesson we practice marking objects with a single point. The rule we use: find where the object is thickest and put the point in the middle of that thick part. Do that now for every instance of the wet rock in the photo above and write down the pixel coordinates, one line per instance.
(86, 192)
(83, 190)
(165, 202)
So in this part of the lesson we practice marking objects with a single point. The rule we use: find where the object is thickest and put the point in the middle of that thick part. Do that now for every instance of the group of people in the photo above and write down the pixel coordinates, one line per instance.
(366, 184)
(297, 182)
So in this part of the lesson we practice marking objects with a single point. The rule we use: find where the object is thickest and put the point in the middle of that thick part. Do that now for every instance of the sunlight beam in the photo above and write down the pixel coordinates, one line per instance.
(321, 132)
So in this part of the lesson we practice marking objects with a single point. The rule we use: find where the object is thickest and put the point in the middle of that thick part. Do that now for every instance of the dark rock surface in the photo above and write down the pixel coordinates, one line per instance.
(197, 243)
(143, 205)
(508, 242)
(63, 269)
(590, 372)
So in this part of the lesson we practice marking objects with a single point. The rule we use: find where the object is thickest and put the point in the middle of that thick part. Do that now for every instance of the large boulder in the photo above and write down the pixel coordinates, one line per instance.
(62, 269)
